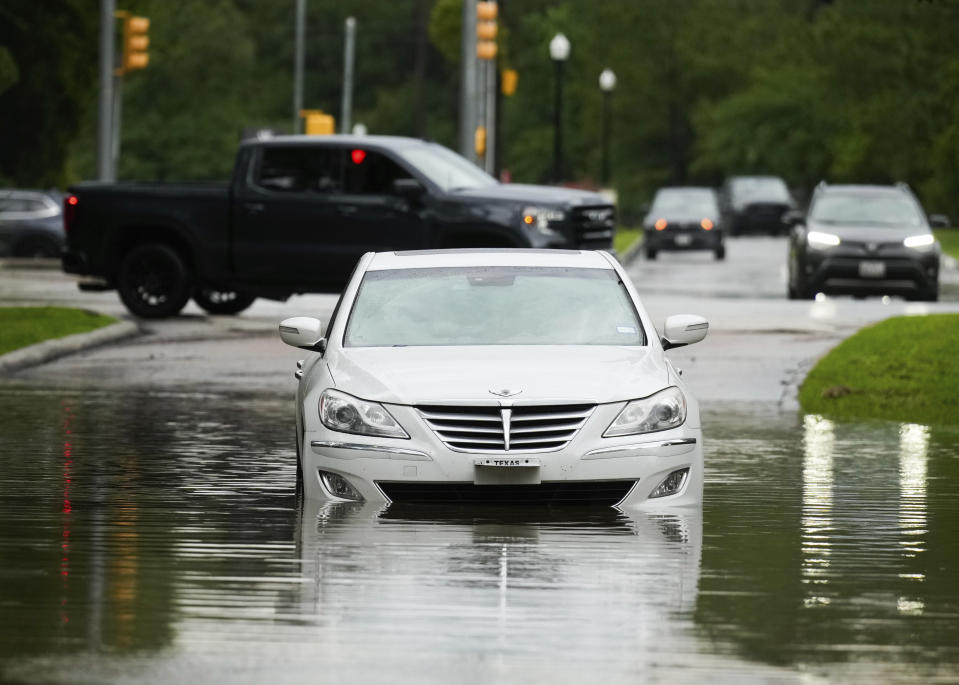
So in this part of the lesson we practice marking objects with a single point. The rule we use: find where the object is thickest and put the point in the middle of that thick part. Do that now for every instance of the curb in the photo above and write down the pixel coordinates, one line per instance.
(48, 350)
(631, 252)
(29, 263)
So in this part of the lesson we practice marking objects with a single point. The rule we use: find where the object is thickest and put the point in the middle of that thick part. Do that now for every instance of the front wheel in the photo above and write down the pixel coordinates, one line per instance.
(222, 301)
(153, 281)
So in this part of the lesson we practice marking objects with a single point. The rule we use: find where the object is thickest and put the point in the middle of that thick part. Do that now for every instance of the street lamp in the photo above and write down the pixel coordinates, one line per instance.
(559, 53)
(607, 83)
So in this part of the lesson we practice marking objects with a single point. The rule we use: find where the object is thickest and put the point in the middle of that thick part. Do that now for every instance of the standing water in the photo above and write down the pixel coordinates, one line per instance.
(157, 538)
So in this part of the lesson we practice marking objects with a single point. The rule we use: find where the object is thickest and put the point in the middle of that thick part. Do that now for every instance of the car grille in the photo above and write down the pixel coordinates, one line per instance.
(593, 226)
(599, 492)
(506, 429)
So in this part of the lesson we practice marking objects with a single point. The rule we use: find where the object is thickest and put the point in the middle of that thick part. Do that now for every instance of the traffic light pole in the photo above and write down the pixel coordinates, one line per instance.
(105, 128)
(117, 123)
(299, 50)
(468, 99)
(346, 111)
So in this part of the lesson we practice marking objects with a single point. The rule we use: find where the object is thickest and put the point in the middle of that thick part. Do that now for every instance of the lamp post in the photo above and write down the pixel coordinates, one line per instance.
(607, 83)
(559, 53)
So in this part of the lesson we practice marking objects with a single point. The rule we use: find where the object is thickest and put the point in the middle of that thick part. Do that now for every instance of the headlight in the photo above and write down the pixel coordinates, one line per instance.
(662, 411)
(541, 217)
(821, 240)
(348, 414)
(919, 242)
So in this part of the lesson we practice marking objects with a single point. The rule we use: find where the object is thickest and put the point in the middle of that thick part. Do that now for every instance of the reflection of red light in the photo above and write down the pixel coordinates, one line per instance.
(358, 156)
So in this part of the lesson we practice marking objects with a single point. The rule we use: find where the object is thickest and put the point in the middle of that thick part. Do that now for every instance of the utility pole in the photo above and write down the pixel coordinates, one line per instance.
(298, 52)
(468, 104)
(346, 111)
(105, 167)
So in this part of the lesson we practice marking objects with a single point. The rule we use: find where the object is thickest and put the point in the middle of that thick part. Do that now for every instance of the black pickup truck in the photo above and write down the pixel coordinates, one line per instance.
(297, 215)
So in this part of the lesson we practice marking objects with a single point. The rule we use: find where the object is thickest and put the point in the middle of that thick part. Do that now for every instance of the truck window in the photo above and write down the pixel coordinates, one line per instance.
(300, 169)
(371, 173)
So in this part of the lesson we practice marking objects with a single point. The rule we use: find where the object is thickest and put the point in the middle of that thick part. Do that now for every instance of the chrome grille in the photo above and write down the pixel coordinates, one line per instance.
(506, 429)
(594, 225)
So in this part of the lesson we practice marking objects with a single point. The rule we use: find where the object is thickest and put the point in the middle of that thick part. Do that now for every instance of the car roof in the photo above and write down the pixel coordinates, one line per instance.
(687, 189)
(857, 189)
(394, 142)
(418, 259)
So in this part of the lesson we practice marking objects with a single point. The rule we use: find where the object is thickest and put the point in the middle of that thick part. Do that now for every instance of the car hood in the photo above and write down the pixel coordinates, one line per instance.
(533, 194)
(555, 373)
(875, 233)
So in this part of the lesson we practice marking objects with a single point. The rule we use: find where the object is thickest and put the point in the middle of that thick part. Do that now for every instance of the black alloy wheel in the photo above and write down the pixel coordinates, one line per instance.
(226, 302)
(154, 281)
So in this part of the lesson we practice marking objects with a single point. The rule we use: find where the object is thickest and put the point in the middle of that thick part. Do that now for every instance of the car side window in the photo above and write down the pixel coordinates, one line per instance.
(371, 173)
(300, 169)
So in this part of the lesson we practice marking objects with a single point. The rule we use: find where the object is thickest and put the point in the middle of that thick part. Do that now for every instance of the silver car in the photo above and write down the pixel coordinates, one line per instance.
(31, 223)
(531, 376)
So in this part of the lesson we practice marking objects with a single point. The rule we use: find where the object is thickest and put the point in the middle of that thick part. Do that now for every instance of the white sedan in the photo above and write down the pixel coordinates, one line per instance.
(531, 376)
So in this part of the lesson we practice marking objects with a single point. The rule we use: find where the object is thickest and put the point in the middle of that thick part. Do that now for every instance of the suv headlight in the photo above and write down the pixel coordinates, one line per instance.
(348, 414)
(662, 411)
(820, 240)
(541, 217)
(920, 242)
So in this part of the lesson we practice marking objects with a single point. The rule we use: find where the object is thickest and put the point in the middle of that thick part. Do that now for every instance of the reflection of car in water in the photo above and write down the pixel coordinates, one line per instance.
(504, 375)
(31, 223)
(438, 580)
(683, 219)
(863, 240)
(755, 204)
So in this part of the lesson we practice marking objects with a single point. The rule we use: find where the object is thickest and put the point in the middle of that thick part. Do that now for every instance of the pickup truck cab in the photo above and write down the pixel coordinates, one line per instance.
(298, 214)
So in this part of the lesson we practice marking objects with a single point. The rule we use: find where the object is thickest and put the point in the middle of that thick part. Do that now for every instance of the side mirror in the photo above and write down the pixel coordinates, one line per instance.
(683, 329)
(793, 218)
(939, 221)
(409, 188)
(302, 332)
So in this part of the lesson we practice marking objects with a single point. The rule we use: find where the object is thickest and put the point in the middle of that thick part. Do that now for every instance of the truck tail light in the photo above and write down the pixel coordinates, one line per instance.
(69, 211)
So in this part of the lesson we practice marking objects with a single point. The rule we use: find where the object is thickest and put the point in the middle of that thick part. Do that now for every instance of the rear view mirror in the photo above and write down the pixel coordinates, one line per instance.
(409, 188)
(939, 221)
(683, 329)
(302, 332)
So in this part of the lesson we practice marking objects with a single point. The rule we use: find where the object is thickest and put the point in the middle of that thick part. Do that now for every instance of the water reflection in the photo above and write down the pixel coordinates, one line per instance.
(158, 538)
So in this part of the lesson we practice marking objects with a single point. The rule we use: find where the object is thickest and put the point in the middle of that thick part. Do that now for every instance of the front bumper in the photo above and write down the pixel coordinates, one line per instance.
(902, 273)
(589, 464)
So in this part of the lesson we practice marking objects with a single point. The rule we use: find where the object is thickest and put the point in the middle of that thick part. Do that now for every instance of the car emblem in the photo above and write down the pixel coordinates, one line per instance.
(872, 247)
(505, 392)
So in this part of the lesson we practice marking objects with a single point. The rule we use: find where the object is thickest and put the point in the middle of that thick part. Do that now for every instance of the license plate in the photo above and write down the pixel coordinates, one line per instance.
(683, 239)
(872, 269)
(508, 462)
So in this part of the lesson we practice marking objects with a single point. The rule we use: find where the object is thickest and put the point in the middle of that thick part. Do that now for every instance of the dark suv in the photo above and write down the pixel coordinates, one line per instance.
(755, 204)
(863, 240)
(683, 218)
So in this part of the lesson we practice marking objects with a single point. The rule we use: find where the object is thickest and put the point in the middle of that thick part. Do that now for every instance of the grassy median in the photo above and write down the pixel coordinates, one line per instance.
(22, 326)
(949, 239)
(903, 369)
(625, 237)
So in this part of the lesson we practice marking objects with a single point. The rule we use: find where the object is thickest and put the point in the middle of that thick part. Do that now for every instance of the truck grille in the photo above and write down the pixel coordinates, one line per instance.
(506, 429)
(593, 226)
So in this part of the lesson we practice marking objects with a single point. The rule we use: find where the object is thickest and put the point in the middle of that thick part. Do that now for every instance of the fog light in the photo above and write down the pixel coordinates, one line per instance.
(338, 486)
(671, 484)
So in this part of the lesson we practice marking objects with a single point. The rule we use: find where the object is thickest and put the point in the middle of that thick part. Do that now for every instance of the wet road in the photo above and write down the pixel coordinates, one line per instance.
(156, 538)
(149, 529)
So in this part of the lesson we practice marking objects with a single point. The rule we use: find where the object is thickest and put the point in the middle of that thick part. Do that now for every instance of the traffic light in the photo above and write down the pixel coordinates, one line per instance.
(318, 123)
(486, 29)
(508, 80)
(135, 42)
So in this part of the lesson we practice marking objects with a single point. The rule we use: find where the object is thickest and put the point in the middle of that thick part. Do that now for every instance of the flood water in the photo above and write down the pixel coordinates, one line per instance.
(157, 538)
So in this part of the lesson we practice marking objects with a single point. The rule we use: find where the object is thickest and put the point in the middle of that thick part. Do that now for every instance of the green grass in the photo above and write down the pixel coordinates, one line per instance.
(625, 237)
(903, 369)
(949, 239)
(22, 326)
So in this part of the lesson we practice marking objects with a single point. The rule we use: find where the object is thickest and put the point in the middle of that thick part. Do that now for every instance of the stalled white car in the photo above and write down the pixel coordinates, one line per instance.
(527, 376)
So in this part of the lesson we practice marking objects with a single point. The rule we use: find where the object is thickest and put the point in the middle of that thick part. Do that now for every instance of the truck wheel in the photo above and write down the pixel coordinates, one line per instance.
(153, 281)
(222, 301)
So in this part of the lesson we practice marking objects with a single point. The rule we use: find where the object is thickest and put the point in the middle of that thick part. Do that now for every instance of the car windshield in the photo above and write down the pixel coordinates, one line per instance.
(883, 210)
(446, 169)
(485, 305)
(760, 188)
(698, 202)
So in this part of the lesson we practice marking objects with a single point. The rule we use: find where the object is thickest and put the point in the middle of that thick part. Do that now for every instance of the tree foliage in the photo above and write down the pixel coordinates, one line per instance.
(847, 90)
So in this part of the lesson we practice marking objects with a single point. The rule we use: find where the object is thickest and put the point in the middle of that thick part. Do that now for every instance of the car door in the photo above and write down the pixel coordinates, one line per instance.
(286, 228)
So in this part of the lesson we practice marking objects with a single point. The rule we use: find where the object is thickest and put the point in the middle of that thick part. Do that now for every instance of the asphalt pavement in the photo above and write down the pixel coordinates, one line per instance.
(759, 347)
